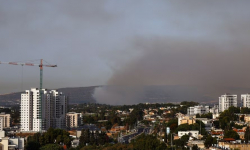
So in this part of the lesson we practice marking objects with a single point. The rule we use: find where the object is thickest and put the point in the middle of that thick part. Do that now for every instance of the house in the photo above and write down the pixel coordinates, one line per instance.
(218, 134)
(182, 119)
(192, 133)
(230, 143)
(91, 127)
(241, 133)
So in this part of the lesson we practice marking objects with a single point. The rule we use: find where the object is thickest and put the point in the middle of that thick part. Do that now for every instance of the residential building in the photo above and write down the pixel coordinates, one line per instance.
(182, 119)
(8, 143)
(215, 111)
(73, 119)
(2, 133)
(199, 143)
(207, 122)
(6, 119)
(226, 101)
(197, 110)
(245, 100)
(38, 116)
(192, 133)
(230, 143)
(91, 127)
(241, 133)
(1, 123)
(247, 118)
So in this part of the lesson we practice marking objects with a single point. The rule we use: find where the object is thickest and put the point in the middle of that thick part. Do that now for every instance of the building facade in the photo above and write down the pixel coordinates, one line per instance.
(50, 112)
(1, 123)
(73, 119)
(226, 101)
(193, 133)
(245, 100)
(6, 119)
(197, 110)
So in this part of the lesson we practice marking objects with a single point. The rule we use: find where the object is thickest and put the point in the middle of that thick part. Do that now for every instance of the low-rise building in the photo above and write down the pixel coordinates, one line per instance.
(241, 133)
(192, 133)
(90, 127)
(208, 123)
(7, 143)
(6, 119)
(183, 119)
(199, 143)
(247, 118)
(198, 110)
(219, 134)
(230, 143)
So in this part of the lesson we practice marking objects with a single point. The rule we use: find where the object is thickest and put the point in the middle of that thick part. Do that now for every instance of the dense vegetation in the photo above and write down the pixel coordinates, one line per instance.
(51, 138)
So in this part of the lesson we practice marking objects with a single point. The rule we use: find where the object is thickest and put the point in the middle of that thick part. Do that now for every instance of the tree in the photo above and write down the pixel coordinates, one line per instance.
(148, 142)
(51, 146)
(183, 127)
(85, 136)
(59, 139)
(195, 147)
(232, 134)
(32, 145)
(172, 124)
(209, 141)
(245, 110)
(247, 135)
(185, 139)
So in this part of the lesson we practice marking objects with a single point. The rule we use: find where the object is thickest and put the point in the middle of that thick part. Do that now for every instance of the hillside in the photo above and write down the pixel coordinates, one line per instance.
(76, 95)
(120, 95)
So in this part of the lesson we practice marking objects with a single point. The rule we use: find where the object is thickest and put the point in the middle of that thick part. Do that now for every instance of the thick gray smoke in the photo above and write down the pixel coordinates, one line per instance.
(205, 54)
(213, 67)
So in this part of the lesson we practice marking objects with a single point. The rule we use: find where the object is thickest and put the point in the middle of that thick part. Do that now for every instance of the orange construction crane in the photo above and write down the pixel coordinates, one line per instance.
(41, 65)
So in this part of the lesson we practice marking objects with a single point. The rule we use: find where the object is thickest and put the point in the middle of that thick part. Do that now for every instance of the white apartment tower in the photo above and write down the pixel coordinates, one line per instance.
(226, 101)
(54, 108)
(245, 100)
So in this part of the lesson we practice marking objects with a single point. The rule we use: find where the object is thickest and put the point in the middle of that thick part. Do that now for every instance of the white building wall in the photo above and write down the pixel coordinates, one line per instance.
(54, 107)
(197, 110)
(226, 101)
(1, 124)
(192, 133)
(245, 100)
(26, 111)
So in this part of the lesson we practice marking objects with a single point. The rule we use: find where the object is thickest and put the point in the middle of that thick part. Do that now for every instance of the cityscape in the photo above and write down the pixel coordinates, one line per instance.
(124, 75)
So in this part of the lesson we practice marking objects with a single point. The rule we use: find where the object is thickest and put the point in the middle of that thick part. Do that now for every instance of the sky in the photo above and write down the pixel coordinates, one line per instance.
(132, 43)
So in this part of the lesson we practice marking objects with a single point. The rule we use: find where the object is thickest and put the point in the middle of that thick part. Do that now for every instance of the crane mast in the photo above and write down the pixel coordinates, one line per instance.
(41, 65)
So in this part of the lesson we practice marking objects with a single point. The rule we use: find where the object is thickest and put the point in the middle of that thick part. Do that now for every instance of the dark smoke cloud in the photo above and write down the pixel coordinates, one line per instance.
(205, 55)
(215, 68)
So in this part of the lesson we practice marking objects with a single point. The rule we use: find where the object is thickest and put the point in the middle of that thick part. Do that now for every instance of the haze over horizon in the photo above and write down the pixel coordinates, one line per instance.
(203, 45)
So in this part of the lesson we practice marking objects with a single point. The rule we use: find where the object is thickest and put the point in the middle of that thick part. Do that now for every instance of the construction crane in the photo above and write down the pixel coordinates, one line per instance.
(41, 65)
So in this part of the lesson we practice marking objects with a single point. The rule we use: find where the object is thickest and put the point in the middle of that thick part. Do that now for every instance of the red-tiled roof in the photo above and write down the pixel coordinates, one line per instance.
(238, 130)
(216, 133)
(229, 139)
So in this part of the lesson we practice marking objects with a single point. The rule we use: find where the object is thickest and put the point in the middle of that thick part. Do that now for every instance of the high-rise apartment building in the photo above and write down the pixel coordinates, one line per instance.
(245, 100)
(53, 110)
(226, 101)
